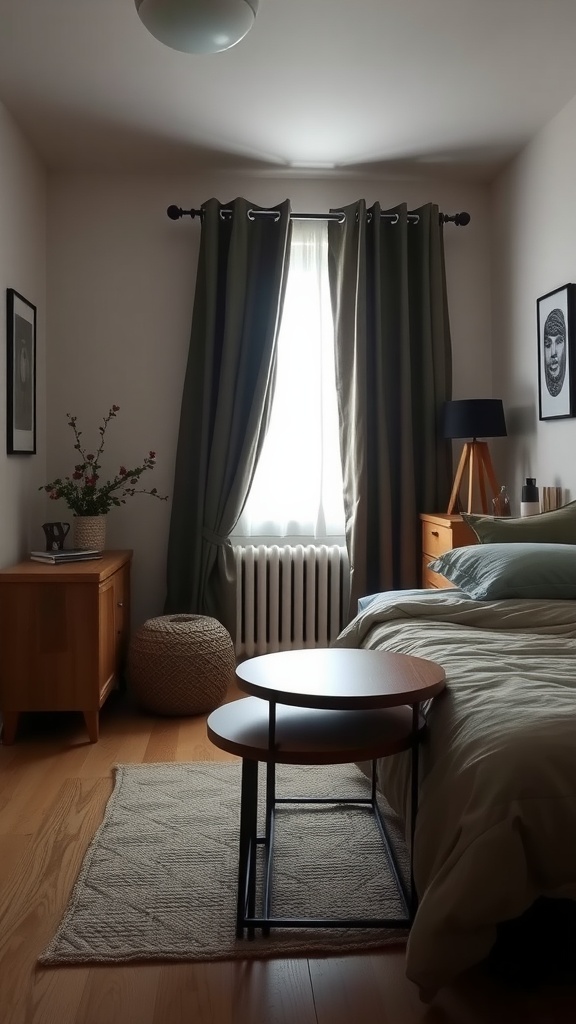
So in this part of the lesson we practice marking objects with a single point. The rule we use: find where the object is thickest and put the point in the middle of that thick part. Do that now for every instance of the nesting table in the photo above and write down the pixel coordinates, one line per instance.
(323, 706)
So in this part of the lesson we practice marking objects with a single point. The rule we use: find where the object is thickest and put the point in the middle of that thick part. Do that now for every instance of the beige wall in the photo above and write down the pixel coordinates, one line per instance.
(121, 283)
(118, 299)
(534, 253)
(22, 267)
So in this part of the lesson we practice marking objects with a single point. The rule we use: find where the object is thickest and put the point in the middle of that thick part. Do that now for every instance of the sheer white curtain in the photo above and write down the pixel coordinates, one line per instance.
(297, 490)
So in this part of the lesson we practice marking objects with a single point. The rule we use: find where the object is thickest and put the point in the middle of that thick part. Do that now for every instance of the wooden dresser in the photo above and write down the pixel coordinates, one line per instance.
(441, 532)
(63, 636)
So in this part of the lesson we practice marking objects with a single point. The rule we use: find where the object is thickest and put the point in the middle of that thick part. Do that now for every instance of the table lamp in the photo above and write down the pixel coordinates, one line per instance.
(474, 418)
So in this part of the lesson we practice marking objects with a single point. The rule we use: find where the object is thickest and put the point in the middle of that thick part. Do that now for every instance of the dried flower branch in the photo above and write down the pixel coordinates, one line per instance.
(83, 493)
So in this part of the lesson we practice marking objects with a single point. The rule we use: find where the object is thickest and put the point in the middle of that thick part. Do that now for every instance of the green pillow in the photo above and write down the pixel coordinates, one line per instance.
(555, 527)
(488, 572)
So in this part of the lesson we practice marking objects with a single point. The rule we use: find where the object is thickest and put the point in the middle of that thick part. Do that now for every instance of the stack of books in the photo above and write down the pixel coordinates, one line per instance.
(551, 498)
(65, 555)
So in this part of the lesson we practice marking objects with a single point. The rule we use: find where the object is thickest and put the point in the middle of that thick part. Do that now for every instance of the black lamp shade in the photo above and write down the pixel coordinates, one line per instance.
(474, 417)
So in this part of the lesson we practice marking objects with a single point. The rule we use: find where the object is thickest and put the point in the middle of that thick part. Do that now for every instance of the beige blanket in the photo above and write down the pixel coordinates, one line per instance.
(497, 814)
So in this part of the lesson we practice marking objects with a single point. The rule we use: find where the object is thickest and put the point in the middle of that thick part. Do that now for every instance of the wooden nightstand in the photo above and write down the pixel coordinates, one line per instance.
(63, 633)
(441, 532)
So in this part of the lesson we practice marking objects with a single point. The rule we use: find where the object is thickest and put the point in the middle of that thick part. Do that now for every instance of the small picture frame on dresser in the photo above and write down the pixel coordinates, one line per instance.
(20, 374)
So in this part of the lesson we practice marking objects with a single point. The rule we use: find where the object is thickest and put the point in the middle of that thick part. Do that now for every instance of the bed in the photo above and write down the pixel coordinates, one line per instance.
(496, 825)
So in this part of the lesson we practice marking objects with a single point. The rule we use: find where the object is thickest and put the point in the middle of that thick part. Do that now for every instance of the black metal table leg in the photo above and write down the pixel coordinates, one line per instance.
(414, 787)
(270, 776)
(247, 850)
(269, 822)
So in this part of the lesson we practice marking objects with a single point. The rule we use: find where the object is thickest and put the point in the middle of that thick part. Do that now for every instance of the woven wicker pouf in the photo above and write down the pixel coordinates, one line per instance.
(181, 664)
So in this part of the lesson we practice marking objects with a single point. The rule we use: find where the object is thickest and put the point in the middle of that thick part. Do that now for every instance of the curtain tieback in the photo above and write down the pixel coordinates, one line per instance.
(213, 538)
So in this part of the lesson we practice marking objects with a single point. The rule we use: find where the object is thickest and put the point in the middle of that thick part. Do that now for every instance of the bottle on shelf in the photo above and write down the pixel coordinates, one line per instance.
(501, 503)
(530, 503)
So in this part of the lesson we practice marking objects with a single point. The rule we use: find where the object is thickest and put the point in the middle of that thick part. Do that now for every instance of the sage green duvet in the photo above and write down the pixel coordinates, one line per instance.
(497, 811)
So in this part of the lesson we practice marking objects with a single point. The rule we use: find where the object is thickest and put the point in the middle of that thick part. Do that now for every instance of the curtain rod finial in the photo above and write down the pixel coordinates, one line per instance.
(460, 219)
(176, 212)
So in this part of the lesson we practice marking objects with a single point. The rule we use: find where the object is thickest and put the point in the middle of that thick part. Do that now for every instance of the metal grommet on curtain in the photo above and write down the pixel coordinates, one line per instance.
(252, 214)
(225, 214)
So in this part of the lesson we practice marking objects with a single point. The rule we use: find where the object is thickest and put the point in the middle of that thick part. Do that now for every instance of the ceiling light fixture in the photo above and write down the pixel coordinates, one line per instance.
(198, 26)
(313, 165)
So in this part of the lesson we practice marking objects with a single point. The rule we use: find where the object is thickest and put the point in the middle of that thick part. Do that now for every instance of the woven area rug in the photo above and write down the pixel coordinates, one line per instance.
(159, 878)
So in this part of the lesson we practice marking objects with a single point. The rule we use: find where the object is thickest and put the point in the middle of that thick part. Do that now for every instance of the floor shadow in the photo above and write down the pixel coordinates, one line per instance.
(537, 948)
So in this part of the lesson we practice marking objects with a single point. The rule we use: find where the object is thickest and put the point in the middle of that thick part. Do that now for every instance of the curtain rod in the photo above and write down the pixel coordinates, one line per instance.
(460, 219)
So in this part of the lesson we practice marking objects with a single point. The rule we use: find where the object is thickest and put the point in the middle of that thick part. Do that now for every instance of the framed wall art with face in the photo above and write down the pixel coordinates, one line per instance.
(556, 324)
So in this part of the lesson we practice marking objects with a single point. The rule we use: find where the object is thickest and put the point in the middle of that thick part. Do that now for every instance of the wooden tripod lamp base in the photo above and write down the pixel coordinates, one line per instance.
(476, 459)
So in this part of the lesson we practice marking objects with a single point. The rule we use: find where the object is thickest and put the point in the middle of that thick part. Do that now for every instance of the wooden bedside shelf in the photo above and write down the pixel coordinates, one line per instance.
(63, 634)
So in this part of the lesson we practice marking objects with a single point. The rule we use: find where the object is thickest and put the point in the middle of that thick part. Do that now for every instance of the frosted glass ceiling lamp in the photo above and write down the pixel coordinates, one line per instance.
(198, 26)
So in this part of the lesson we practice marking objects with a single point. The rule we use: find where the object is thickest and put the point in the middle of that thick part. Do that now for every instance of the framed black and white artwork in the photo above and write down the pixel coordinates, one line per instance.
(556, 325)
(21, 374)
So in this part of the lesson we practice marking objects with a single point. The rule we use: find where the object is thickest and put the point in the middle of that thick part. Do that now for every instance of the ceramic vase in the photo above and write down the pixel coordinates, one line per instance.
(89, 532)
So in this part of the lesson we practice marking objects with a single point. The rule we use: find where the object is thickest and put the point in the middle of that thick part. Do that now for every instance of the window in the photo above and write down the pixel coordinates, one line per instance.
(296, 494)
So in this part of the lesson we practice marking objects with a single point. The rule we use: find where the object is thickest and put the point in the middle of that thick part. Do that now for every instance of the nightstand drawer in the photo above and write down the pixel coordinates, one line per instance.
(432, 580)
(441, 532)
(436, 539)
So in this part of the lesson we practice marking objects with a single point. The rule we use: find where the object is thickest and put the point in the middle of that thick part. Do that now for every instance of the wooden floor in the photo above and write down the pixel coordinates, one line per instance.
(53, 790)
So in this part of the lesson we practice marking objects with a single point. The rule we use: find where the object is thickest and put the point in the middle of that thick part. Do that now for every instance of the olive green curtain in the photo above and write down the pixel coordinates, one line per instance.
(393, 375)
(226, 398)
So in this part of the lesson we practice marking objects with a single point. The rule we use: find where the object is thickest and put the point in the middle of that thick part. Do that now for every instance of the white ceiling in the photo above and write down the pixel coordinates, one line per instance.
(448, 86)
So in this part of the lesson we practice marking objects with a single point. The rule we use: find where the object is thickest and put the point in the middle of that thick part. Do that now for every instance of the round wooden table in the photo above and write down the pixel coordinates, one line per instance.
(325, 706)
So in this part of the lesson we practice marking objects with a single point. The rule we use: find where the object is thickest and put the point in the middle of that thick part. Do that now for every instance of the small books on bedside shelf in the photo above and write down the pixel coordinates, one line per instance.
(65, 555)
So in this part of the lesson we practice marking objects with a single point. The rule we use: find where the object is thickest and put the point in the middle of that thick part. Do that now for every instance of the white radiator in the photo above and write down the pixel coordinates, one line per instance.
(289, 598)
